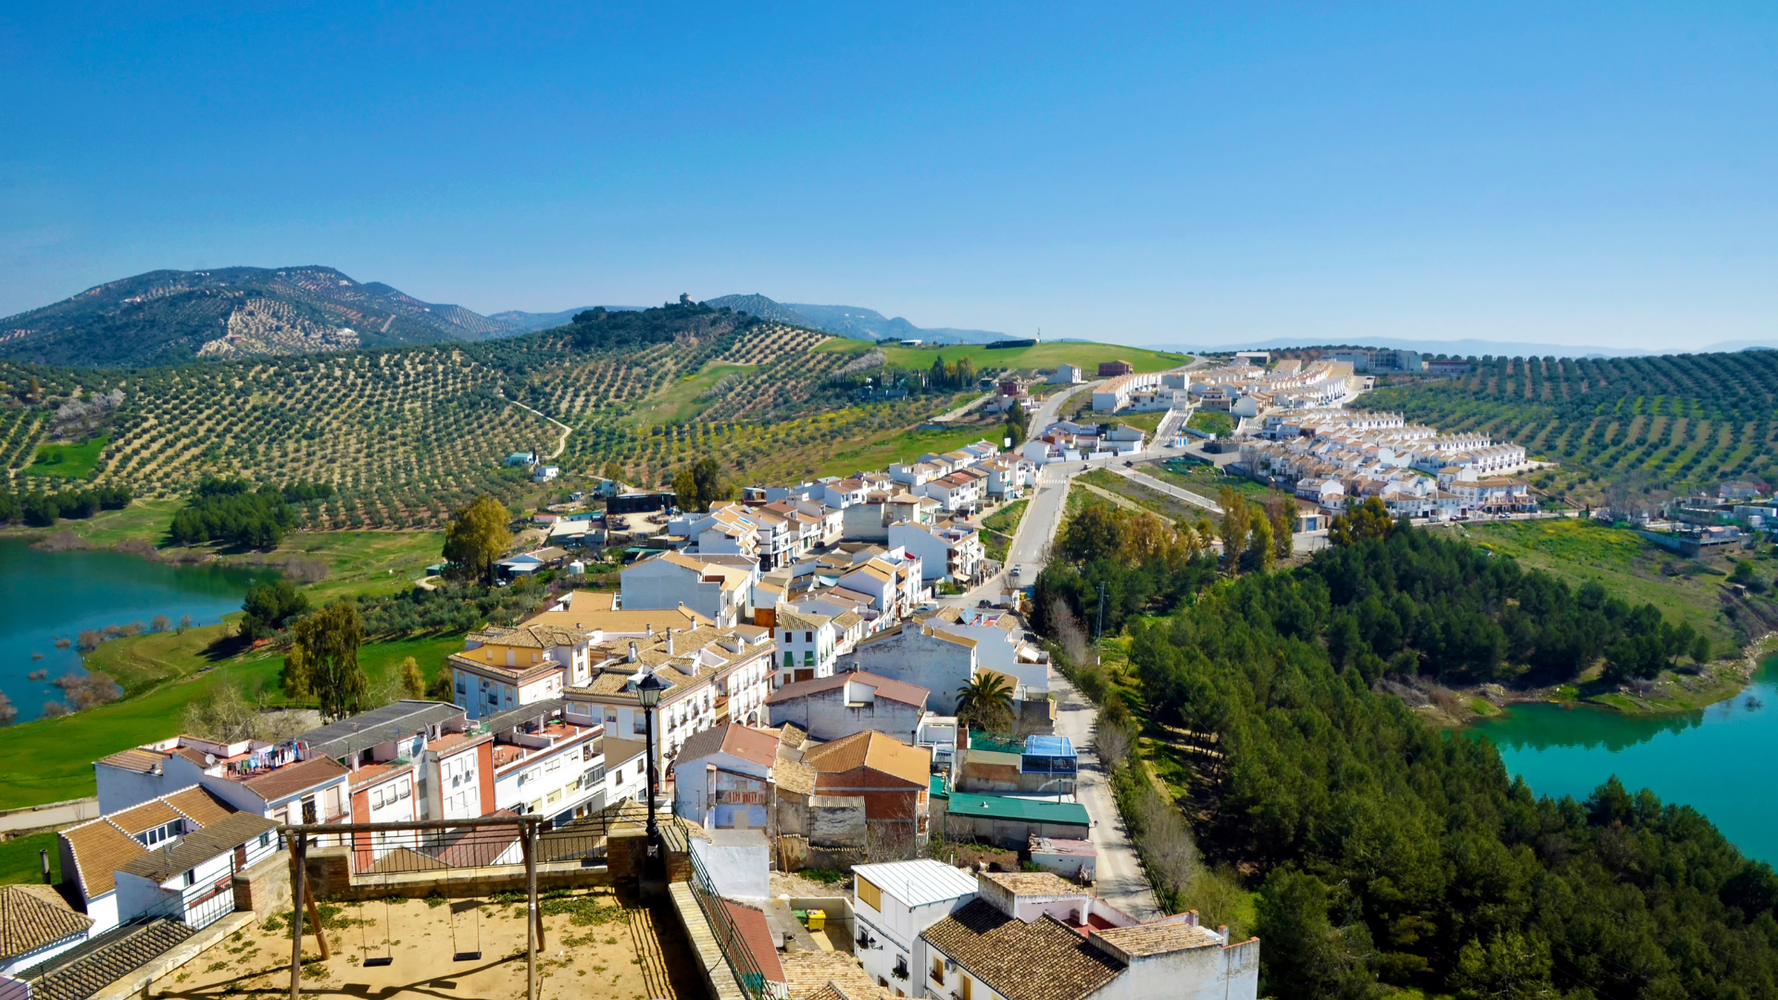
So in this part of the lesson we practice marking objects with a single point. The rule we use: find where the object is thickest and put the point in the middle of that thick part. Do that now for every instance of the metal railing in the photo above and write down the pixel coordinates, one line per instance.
(740, 958)
(394, 852)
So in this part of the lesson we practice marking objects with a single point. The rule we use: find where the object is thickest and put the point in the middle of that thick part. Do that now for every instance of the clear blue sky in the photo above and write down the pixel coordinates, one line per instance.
(1599, 174)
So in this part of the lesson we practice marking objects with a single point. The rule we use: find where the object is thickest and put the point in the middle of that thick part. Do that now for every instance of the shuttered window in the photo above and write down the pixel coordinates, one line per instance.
(868, 893)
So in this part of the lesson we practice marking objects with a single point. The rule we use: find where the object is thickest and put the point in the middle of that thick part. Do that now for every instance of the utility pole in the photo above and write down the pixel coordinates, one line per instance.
(1099, 629)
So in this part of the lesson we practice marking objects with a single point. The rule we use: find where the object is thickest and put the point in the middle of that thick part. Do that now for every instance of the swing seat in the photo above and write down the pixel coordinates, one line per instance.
(383, 960)
(467, 956)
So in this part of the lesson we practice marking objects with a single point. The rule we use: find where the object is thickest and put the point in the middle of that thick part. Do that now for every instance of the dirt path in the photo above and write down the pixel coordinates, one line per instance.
(561, 442)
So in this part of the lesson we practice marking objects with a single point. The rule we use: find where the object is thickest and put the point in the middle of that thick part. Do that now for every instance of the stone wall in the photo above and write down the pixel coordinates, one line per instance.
(265, 887)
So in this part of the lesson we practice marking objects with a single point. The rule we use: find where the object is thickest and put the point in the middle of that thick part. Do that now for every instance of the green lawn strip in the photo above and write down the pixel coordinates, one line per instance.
(21, 862)
(1086, 355)
(74, 461)
(1146, 422)
(999, 528)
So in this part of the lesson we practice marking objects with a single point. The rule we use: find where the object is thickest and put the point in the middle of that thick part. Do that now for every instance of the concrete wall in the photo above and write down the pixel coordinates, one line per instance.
(1210, 973)
(827, 716)
(740, 869)
(936, 664)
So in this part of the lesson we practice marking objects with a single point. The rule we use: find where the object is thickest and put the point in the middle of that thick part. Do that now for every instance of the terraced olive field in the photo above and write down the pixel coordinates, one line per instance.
(1677, 424)
(407, 434)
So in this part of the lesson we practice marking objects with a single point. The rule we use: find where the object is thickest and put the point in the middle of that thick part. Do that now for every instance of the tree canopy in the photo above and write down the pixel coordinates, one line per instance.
(476, 538)
(323, 660)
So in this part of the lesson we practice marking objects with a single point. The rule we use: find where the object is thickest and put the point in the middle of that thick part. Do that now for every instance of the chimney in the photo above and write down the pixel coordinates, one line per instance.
(648, 628)
(670, 641)
(632, 657)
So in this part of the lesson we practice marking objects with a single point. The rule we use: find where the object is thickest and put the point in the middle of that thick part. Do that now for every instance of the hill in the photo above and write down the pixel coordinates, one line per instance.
(166, 317)
(405, 434)
(530, 322)
(855, 322)
(1634, 428)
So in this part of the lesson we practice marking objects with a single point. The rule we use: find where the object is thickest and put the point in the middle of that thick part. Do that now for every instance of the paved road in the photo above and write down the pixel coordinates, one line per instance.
(1121, 881)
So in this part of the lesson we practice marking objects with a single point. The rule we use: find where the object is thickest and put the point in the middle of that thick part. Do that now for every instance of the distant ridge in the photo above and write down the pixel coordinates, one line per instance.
(530, 322)
(851, 321)
(1475, 348)
(167, 317)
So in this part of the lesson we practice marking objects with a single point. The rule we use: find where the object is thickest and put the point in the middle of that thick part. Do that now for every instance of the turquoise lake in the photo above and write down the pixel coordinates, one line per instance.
(1711, 760)
(46, 595)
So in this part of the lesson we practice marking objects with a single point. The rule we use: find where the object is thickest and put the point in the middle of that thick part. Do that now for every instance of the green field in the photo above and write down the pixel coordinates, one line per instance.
(1211, 422)
(20, 862)
(905, 446)
(39, 765)
(1629, 567)
(364, 562)
(74, 461)
(1086, 355)
(1204, 480)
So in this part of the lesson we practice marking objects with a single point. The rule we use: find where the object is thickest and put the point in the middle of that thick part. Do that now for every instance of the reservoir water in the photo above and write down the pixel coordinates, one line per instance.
(1713, 760)
(46, 595)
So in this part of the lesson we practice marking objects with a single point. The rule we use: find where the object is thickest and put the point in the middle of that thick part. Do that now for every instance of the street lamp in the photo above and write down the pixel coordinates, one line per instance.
(648, 693)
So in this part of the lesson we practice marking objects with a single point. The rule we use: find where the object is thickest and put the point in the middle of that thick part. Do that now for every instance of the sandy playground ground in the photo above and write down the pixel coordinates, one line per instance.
(595, 945)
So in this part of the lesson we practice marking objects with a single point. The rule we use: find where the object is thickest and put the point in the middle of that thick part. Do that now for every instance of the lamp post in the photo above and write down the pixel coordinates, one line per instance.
(648, 693)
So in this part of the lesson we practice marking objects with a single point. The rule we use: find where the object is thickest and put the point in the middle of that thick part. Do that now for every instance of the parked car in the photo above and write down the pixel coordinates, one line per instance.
(1015, 571)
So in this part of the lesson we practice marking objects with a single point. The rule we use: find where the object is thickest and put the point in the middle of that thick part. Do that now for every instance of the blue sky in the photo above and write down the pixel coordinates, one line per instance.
(1601, 174)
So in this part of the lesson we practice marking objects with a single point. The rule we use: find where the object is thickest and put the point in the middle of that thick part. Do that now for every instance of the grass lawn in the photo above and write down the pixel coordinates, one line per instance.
(1205, 480)
(75, 461)
(1147, 422)
(20, 862)
(1211, 422)
(40, 766)
(1087, 355)
(365, 562)
(1629, 567)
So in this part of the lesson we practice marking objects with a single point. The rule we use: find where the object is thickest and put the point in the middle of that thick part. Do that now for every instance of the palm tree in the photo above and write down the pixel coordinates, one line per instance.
(986, 702)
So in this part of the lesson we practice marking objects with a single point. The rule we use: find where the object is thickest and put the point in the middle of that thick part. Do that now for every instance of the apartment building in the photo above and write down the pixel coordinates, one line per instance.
(273, 780)
(716, 588)
(546, 764)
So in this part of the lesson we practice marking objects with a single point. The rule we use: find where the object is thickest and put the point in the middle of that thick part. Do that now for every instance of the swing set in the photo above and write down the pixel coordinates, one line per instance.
(300, 837)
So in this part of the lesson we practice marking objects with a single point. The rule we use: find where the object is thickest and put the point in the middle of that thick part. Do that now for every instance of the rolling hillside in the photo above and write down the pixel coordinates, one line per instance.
(1649, 425)
(166, 317)
(405, 434)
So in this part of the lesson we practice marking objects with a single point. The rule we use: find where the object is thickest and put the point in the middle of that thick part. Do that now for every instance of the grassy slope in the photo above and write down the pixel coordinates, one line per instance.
(1203, 480)
(20, 862)
(74, 461)
(365, 562)
(162, 674)
(901, 446)
(1050, 355)
(1627, 565)
(1000, 527)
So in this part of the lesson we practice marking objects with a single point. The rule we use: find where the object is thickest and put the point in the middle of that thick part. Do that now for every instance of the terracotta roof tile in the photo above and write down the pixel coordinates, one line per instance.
(33, 917)
(873, 750)
(99, 849)
(893, 690)
(1042, 960)
(199, 805)
(286, 781)
(146, 816)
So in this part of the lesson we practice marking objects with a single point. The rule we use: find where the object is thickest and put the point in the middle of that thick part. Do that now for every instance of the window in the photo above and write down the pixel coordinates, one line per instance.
(901, 968)
(808, 658)
(966, 984)
(789, 658)
(938, 970)
(808, 637)
(191, 879)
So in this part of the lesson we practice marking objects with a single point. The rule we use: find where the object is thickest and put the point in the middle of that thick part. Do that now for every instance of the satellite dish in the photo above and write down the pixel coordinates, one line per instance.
(209, 759)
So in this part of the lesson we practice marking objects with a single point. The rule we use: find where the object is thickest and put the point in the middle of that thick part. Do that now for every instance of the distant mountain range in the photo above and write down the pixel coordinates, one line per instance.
(856, 322)
(1474, 348)
(166, 317)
